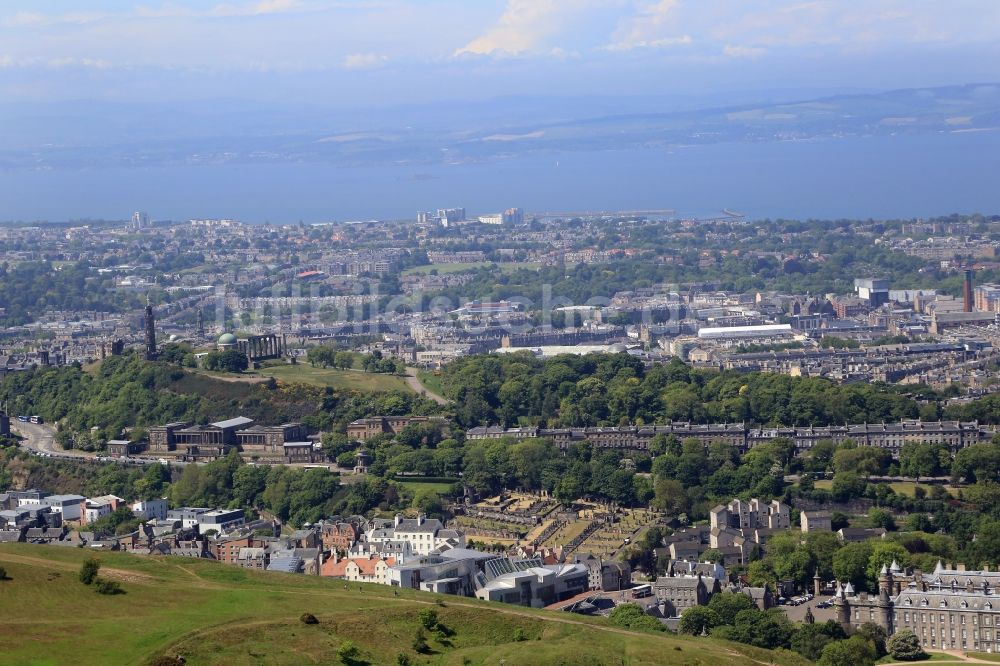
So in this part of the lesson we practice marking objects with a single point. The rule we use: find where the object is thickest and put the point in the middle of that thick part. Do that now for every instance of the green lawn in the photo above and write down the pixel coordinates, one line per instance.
(443, 269)
(357, 361)
(217, 384)
(907, 488)
(430, 381)
(213, 613)
(416, 486)
(342, 379)
(900, 488)
(518, 265)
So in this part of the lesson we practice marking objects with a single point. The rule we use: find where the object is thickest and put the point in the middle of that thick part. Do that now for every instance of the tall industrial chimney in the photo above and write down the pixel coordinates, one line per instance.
(150, 333)
(967, 291)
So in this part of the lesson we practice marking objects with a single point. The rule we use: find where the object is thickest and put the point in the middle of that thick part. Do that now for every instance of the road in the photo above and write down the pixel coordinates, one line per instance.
(40, 438)
(414, 383)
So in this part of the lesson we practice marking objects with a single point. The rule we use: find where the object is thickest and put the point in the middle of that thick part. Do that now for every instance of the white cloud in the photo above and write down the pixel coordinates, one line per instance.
(424, 36)
(838, 23)
(8, 62)
(364, 60)
(38, 20)
(736, 51)
(89, 63)
(647, 28)
(229, 9)
(528, 26)
(665, 42)
(257, 9)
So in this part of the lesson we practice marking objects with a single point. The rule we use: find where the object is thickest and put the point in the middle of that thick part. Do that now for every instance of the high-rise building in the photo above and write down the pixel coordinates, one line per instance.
(140, 220)
(509, 216)
(513, 216)
(448, 216)
(443, 216)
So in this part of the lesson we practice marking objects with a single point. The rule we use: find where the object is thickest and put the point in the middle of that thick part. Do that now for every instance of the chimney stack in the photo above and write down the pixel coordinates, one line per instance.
(150, 326)
(967, 291)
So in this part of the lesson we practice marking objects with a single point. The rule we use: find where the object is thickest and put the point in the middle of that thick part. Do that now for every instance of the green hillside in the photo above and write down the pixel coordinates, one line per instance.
(211, 613)
(128, 391)
(346, 380)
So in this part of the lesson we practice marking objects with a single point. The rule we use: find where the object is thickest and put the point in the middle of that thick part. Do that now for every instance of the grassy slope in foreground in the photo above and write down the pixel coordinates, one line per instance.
(216, 614)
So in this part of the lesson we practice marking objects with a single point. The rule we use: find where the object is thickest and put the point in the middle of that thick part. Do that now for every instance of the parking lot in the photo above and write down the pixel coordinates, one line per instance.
(798, 613)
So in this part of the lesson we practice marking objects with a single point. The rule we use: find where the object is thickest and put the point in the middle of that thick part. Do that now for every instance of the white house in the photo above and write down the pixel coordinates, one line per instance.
(155, 509)
(372, 569)
(424, 535)
(96, 507)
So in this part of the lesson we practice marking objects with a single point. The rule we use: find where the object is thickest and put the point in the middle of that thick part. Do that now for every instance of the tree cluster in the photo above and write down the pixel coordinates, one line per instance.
(612, 389)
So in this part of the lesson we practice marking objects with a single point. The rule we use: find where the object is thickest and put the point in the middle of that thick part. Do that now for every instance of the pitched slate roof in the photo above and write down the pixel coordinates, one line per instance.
(366, 565)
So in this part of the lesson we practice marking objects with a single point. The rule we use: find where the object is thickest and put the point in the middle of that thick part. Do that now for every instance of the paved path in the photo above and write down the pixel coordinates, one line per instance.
(414, 383)
(232, 378)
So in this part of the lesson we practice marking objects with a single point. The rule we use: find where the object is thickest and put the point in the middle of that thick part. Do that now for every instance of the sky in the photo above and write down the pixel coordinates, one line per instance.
(357, 53)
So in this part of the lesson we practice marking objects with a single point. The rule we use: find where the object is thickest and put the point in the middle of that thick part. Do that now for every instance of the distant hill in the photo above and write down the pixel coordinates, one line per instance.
(224, 133)
(211, 613)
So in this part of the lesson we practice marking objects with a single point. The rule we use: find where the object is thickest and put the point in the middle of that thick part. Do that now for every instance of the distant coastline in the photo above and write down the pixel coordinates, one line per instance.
(879, 177)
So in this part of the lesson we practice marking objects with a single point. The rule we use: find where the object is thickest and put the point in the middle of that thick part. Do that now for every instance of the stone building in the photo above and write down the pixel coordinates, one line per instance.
(604, 574)
(302, 452)
(739, 514)
(364, 429)
(675, 594)
(338, 536)
(816, 521)
(268, 440)
(161, 438)
(949, 609)
(892, 436)
(208, 442)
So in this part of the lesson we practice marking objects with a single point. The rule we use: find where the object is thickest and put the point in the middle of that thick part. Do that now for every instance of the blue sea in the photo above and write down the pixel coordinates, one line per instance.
(879, 177)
